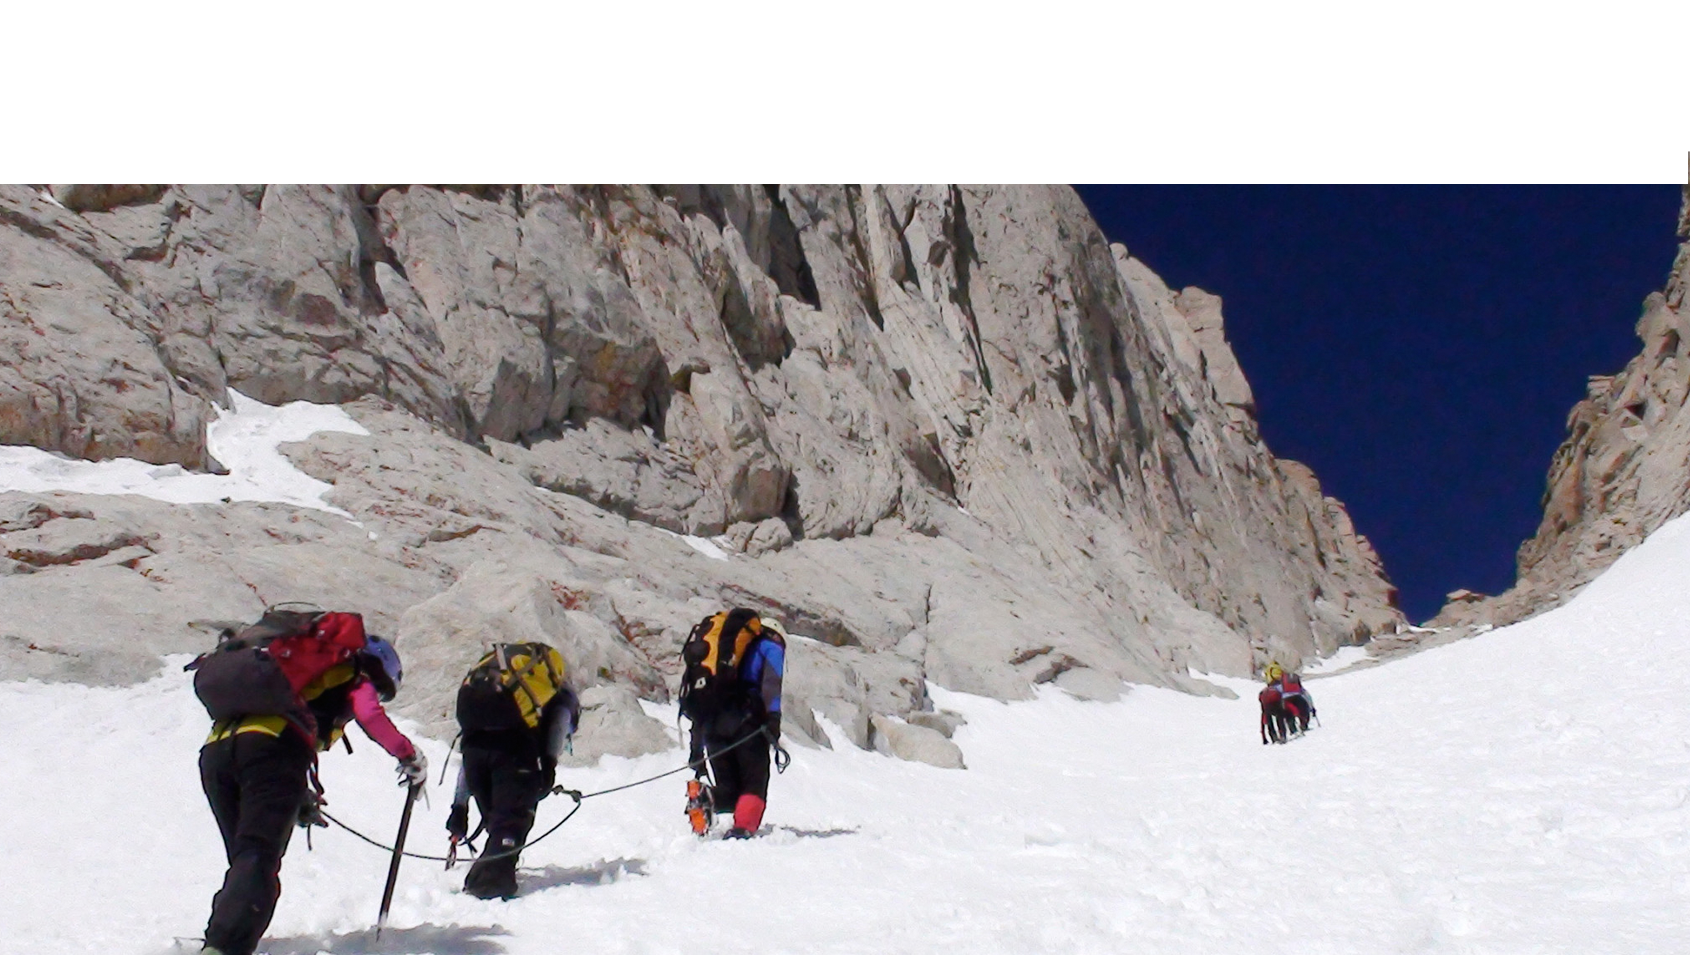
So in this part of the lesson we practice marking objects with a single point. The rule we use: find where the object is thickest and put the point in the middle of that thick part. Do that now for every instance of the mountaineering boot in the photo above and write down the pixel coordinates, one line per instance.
(698, 807)
(738, 833)
(493, 876)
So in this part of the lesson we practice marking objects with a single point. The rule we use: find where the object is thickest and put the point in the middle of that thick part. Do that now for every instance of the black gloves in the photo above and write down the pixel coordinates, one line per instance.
(457, 824)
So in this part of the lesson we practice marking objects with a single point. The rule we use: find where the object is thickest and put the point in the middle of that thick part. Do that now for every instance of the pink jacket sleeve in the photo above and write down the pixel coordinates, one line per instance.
(366, 709)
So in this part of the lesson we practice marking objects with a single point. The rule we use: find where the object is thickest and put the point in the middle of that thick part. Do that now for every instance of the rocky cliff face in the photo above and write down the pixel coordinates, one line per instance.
(1622, 472)
(948, 432)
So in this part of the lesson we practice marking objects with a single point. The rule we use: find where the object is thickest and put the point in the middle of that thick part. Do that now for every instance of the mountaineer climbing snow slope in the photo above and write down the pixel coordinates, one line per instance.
(1524, 791)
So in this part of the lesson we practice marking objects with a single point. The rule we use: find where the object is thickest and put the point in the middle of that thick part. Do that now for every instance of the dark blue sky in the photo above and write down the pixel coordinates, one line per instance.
(1418, 346)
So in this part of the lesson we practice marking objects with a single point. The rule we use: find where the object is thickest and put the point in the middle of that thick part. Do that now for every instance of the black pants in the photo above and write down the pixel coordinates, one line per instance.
(743, 770)
(255, 784)
(507, 787)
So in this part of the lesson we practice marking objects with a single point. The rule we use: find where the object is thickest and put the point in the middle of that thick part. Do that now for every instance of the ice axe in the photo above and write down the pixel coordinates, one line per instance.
(398, 856)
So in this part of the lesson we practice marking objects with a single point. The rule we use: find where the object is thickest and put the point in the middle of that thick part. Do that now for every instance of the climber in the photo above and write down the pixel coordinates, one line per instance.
(730, 690)
(516, 715)
(258, 768)
(1298, 703)
(1286, 705)
(1276, 722)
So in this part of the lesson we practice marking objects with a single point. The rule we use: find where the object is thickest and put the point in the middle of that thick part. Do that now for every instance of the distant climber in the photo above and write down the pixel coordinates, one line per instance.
(1276, 722)
(1298, 703)
(730, 690)
(1286, 706)
(516, 714)
(279, 691)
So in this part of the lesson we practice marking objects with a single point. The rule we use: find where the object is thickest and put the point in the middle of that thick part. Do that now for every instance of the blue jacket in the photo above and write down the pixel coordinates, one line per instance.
(762, 672)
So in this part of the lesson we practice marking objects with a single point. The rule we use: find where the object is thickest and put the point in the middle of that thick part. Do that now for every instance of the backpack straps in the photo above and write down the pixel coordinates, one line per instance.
(735, 624)
(521, 679)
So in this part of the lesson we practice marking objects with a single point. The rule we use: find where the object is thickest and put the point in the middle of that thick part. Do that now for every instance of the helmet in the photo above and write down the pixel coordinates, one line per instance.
(388, 673)
(1274, 672)
(770, 623)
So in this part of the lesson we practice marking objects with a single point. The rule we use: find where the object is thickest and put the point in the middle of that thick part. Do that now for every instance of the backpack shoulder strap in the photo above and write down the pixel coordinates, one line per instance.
(740, 628)
(554, 663)
(539, 655)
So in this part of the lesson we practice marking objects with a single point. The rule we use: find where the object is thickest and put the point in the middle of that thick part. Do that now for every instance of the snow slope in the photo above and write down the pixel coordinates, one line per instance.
(1527, 791)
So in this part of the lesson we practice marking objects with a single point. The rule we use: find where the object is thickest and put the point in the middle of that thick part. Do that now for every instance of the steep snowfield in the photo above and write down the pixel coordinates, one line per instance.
(1527, 791)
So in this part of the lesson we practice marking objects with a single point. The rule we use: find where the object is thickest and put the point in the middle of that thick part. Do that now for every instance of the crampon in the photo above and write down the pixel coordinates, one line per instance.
(698, 807)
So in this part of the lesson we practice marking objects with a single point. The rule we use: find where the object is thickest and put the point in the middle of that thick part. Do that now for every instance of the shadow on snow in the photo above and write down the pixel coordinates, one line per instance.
(432, 939)
(602, 872)
(816, 833)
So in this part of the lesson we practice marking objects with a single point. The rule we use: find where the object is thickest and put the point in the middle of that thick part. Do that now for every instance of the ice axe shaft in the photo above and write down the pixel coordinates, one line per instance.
(398, 857)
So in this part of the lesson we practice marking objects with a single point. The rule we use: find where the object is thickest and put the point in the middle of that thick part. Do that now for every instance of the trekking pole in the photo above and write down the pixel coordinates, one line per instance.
(398, 856)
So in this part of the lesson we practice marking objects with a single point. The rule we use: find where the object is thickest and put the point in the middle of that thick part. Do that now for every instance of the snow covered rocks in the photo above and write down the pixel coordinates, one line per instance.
(911, 741)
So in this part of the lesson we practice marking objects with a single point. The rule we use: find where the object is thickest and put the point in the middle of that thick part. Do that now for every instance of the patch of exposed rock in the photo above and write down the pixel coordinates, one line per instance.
(1622, 472)
(949, 433)
(614, 724)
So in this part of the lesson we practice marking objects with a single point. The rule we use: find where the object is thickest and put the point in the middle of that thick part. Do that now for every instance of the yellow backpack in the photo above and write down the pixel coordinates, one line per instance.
(507, 688)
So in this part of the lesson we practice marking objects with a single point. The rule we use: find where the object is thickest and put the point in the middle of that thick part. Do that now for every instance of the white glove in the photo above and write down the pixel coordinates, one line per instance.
(413, 770)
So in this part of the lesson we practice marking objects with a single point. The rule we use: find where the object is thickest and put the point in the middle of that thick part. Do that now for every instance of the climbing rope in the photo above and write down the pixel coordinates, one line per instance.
(574, 794)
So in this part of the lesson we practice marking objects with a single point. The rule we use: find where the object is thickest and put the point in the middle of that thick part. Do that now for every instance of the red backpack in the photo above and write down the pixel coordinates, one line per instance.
(1291, 683)
(264, 669)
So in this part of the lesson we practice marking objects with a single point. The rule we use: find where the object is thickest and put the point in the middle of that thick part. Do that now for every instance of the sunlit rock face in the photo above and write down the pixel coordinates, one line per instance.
(950, 434)
(1622, 472)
